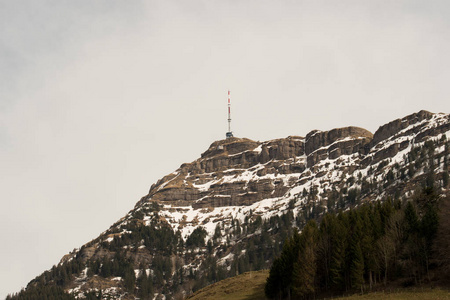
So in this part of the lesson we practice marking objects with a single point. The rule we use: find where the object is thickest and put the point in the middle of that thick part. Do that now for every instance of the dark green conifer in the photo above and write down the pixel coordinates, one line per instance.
(305, 266)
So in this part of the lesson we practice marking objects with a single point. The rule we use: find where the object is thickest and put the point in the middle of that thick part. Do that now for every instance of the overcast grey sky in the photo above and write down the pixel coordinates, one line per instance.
(99, 99)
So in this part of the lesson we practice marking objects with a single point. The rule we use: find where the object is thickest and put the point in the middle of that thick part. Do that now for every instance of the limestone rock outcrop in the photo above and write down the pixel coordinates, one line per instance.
(331, 144)
(394, 127)
(217, 179)
(399, 134)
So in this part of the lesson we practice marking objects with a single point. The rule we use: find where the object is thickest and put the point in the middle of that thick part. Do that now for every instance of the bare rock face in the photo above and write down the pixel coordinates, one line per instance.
(289, 147)
(235, 171)
(229, 146)
(392, 128)
(331, 144)
(395, 136)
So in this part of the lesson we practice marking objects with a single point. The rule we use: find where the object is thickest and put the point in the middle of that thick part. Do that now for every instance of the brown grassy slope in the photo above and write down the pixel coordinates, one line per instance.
(247, 286)
(250, 286)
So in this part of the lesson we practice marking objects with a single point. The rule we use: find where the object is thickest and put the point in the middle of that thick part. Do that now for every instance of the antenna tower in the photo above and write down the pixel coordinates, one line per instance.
(229, 133)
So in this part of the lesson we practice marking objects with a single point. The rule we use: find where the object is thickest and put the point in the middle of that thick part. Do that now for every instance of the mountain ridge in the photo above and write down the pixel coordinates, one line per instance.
(239, 193)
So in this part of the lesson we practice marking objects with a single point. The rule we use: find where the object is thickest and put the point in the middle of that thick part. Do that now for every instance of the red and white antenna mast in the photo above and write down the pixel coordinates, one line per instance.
(229, 133)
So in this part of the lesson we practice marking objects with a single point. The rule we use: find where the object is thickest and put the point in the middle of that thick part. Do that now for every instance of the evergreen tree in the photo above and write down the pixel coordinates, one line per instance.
(197, 237)
(354, 259)
(217, 232)
(367, 244)
(356, 265)
(411, 218)
(429, 225)
(144, 284)
(279, 282)
(445, 178)
(129, 278)
(441, 246)
(305, 267)
(325, 249)
(339, 246)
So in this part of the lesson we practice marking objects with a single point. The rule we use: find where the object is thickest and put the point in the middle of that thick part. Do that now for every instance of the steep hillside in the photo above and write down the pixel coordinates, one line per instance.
(229, 211)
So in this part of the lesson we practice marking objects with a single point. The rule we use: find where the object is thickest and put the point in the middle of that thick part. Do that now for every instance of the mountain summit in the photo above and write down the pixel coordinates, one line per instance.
(230, 210)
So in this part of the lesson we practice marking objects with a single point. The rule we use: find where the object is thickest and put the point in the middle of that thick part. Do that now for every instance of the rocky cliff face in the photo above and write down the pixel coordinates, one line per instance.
(231, 172)
(239, 171)
(401, 134)
(395, 127)
(238, 184)
(332, 144)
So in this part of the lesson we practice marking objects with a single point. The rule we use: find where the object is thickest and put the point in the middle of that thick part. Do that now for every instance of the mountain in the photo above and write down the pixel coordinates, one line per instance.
(230, 210)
